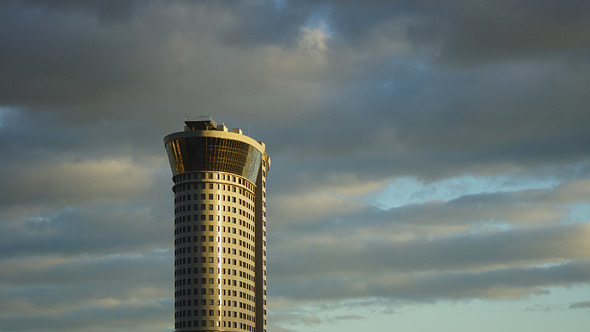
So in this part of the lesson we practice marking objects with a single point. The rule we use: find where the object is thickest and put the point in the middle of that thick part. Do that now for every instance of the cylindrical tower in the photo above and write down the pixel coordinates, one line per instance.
(219, 228)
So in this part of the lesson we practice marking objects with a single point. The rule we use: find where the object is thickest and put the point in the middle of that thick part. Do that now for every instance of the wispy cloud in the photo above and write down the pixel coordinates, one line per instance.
(580, 305)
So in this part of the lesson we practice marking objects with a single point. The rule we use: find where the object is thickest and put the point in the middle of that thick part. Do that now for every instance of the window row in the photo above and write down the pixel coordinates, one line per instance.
(222, 218)
(212, 207)
(180, 188)
(183, 282)
(212, 176)
(214, 281)
(203, 260)
(214, 313)
(213, 302)
(213, 291)
(201, 230)
(210, 238)
(209, 313)
(187, 250)
(187, 208)
(203, 323)
(203, 302)
(228, 219)
(212, 197)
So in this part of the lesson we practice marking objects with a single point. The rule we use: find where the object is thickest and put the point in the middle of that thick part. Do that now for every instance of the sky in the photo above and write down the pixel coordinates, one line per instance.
(430, 159)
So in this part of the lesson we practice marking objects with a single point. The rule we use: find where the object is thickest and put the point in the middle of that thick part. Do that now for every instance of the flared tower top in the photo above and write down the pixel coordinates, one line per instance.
(206, 146)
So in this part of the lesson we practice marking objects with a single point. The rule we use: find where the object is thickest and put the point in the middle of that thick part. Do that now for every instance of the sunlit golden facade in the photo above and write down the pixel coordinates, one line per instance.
(219, 228)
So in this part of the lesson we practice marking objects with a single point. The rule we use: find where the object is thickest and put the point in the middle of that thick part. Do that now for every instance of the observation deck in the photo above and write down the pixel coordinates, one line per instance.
(206, 146)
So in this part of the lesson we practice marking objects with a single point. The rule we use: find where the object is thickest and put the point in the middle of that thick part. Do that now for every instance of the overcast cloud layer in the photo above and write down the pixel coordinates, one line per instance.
(422, 151)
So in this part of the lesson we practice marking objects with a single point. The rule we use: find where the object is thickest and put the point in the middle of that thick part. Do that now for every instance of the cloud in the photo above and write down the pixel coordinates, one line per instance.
(105, 10)
(348, 317)
(541, 307)
(72, 182)
(106, 228)
(469, 237)
(504, 283)
(63, 292)
(580, 305)
(331, 254)
(83, 269)
(96, 318)
(440, 117)
(487, 30)
(500, 208)
(348, 96)
(313, 205)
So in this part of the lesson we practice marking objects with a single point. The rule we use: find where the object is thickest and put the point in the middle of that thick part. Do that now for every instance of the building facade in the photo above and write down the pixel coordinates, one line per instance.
(219, 190)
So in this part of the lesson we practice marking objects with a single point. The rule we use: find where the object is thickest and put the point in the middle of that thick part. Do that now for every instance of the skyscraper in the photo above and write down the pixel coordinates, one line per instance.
(219, 227)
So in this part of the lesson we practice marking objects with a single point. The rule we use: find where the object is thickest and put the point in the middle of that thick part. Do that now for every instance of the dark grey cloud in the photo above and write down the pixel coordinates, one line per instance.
(93, 292)
(84, 269)
(99, 228)
(497, 210)
(465, 124)
(107, 10)
(348, 95)
(349, 317)
(488, 30)
(420, 114)
(476, 235)
(580, 305)
(541, 307)
(332, 255)
(503, 283)
(147, 317)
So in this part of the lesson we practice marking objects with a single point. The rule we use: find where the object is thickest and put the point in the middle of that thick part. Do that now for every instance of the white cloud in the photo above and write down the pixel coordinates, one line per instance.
(406, 190)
